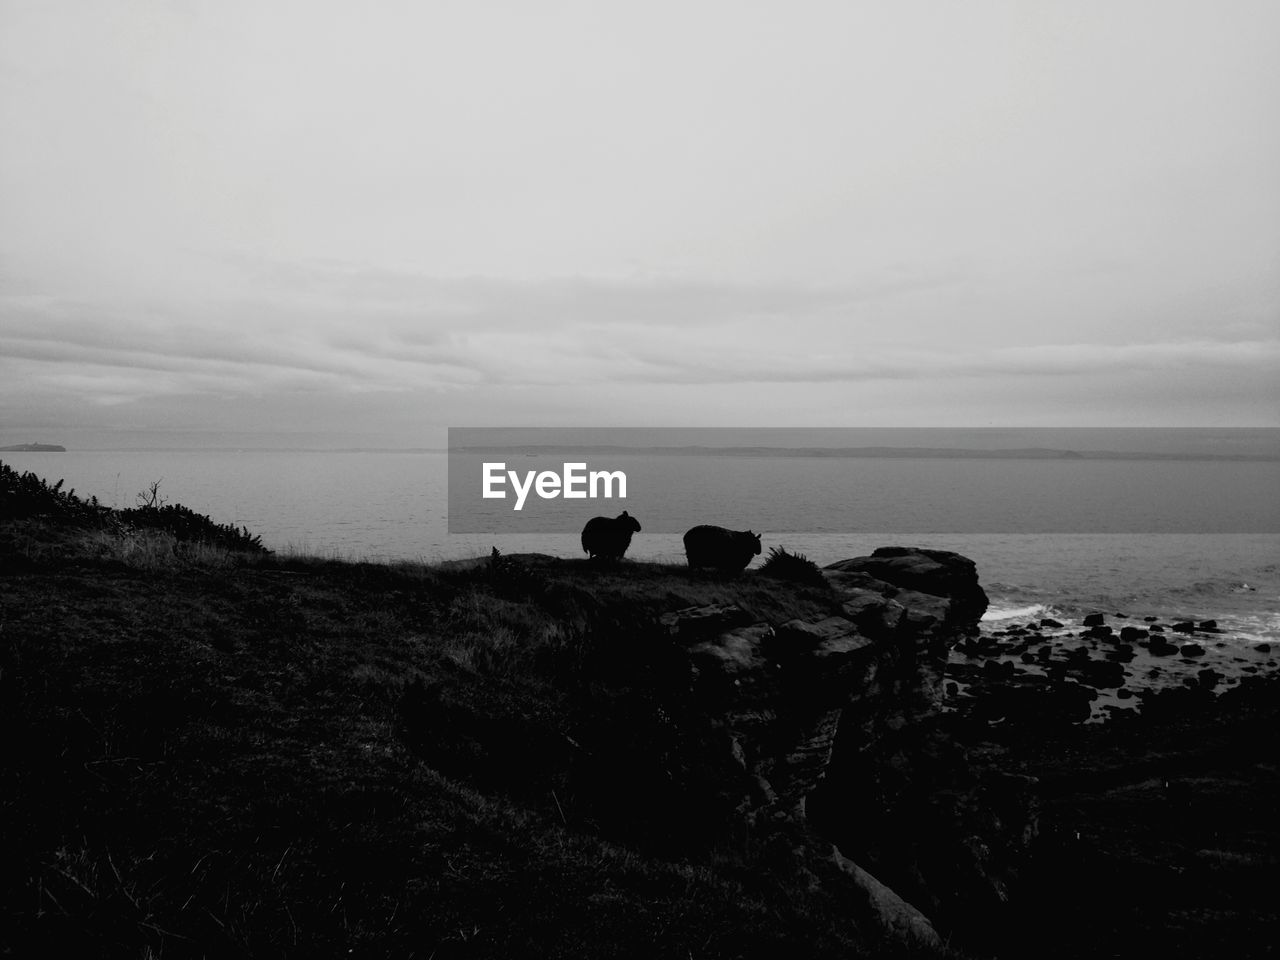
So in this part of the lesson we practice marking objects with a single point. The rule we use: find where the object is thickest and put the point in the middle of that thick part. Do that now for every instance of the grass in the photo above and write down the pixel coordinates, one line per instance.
(209, 750)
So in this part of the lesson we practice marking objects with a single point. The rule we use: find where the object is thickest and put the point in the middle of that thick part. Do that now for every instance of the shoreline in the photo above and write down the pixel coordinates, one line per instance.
(1099, 667)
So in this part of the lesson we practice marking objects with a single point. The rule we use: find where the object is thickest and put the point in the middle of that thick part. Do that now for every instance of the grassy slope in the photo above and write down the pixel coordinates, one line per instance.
(203, 754)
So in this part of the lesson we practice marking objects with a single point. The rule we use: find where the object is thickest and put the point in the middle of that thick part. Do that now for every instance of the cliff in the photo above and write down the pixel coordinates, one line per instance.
(213, 753)
(209, 750)
(720, 709)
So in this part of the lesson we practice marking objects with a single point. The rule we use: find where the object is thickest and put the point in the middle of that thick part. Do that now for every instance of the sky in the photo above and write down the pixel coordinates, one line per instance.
(349, 223)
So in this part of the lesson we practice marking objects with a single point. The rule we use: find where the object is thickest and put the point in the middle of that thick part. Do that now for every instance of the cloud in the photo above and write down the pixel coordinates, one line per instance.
(334, 333)
(364, 329)
(740, 365)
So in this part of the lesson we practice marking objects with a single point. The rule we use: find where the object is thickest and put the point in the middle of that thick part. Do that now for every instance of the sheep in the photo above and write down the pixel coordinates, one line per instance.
(609, 538)
(726, 550)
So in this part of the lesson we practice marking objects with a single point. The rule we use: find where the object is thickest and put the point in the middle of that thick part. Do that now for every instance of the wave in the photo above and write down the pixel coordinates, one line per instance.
(1260, 628)
(998, 610)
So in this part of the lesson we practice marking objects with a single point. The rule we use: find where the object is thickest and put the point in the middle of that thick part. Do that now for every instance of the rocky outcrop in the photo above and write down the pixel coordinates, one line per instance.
(821, 706)
(802, 711)
(782, 691)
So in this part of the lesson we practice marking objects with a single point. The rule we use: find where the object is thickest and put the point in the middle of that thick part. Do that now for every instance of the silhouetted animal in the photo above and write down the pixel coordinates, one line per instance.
(726, 550)
(609, 538)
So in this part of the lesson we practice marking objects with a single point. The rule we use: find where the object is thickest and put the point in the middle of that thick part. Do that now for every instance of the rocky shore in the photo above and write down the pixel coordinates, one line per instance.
(1148, 747)
(1042, 670)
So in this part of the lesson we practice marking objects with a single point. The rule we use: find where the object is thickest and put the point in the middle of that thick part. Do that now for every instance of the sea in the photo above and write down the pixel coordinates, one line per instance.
(393, 506)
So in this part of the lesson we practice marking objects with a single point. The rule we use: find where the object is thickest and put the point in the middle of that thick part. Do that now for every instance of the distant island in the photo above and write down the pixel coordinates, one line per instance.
(33, 448)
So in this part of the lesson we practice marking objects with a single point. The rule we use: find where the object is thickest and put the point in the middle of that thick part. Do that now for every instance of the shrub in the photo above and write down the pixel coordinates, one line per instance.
(24, 495)
(185, 524)
(27, 496)
(792, 566)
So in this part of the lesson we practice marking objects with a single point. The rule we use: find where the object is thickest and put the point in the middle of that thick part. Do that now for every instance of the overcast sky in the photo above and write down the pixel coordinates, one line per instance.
(374, 220)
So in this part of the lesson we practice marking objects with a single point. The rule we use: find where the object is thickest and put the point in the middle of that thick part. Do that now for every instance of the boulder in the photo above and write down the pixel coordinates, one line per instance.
(893, 912)
(696, 623)
(1209, 678)
(939, 573)
(1099, 673)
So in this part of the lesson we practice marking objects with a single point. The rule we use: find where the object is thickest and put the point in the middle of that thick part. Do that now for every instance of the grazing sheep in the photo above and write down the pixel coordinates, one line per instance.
(727, 550)
(609, 538)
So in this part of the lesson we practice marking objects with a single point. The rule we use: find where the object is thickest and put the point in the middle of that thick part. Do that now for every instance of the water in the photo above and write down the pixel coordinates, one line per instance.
(394, 506)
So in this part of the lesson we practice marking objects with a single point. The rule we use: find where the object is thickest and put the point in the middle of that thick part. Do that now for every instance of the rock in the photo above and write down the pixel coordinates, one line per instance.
(1124, 693)
(939, 573)
(1030, 699)
(1100, 632)
(895, 913)
(1094, 620)
(1102, 674)
(1184, 626)
(874, 615)
(1129, 634)
(1192, 650)
(1208, 626)
(735, 658)
(1161, 648)
(1263, 648)
(696, 623)
(1156, 628)
(1050, 623)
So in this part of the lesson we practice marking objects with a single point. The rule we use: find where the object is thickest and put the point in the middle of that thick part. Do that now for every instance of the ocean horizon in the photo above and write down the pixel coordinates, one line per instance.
(391, 507)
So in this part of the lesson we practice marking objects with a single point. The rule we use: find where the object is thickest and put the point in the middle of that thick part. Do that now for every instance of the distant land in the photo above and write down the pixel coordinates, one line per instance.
(33, 448)
(881, 453)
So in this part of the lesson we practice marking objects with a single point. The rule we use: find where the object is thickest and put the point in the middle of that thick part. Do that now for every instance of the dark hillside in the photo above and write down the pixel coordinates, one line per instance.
(211, 752)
